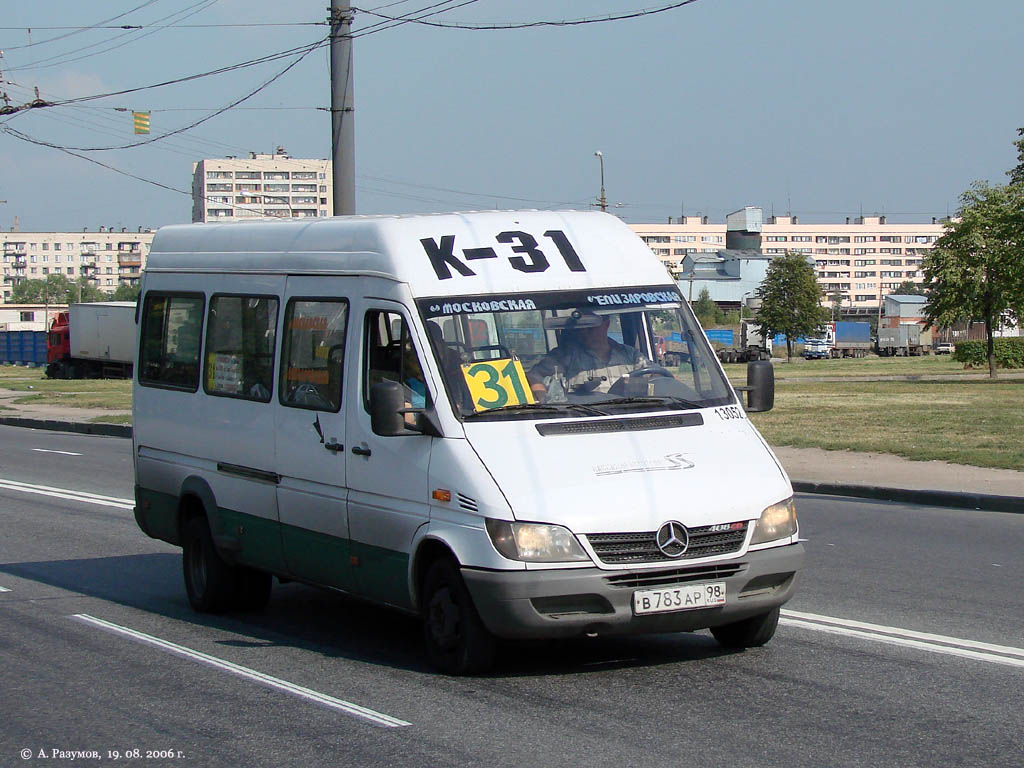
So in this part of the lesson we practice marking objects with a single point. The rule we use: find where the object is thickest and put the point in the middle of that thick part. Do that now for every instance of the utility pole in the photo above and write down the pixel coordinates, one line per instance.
(343, 135)
(602, 201)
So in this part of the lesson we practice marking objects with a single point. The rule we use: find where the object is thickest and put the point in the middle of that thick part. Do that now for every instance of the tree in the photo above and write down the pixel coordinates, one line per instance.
(705, 309)
(56, 289)
(910, 288)
(126, 293)
(1017, 174)
(790, 300)
(975, 271)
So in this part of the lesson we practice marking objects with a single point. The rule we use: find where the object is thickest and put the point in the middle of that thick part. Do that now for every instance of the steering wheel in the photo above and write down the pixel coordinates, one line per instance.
(619, 387)
(652, 370)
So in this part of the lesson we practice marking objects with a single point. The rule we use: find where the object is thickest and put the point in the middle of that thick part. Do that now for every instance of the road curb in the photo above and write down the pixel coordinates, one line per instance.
(959, 500)
(107, 430)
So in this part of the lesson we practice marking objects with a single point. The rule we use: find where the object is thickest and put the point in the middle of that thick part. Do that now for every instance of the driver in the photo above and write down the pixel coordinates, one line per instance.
(586, 359)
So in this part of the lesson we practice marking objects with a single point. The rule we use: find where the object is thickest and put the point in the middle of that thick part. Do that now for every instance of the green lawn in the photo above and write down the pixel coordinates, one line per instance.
(112, 394)
(976, 422)
(925, 365)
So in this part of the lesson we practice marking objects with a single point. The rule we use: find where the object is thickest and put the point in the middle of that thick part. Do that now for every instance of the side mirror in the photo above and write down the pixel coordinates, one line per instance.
(760, 387)
(388, 409)
(387, 399)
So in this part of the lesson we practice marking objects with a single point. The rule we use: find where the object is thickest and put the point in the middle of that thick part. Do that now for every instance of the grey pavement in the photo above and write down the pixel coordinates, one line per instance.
(812, 470)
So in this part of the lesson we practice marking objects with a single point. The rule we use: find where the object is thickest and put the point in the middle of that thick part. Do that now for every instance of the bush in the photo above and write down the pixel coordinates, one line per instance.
(1009, 353)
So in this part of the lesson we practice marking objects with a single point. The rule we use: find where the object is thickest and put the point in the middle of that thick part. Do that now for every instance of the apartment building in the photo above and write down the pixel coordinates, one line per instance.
(261, 186)
(108, 257)
(859, 261)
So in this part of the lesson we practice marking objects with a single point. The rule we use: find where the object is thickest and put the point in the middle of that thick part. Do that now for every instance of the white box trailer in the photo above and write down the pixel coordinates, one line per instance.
(103, 331)
(92, 341)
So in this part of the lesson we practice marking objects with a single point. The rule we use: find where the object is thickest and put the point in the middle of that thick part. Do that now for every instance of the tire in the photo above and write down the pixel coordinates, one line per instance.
(748, 633)
(252, 589)
(210, 583)
(457, 641)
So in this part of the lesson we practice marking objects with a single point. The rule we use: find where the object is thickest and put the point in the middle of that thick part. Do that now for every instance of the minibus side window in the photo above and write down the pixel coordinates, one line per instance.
(172, 328)
(240, 347)
(313, 356)
(391, 356)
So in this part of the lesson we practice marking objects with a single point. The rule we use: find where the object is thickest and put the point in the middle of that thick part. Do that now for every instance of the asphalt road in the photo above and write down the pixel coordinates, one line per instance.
(102, 654)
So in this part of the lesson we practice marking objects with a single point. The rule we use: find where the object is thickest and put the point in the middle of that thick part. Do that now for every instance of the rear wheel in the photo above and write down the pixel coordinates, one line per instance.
(748, 633)
(457, 640)
(209, 582)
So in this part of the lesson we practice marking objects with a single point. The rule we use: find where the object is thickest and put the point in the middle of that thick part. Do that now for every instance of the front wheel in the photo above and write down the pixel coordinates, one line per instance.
(748, 633)
(457, 640)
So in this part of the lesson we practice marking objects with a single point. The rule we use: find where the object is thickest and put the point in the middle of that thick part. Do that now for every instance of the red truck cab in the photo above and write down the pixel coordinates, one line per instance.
(58, 339)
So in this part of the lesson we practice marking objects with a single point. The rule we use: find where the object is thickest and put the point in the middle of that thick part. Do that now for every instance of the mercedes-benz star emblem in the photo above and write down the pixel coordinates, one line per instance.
(673, 539)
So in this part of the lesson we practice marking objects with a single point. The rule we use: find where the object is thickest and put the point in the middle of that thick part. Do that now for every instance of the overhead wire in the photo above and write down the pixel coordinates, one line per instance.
(77, 30)
(49, 61)
(530, 24)
(5, 127)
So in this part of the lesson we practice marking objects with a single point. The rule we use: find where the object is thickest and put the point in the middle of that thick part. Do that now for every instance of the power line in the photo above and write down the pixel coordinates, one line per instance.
(390, 22)
(528, 24)
(161, 26)
(188, 12)
(77, 30)
(25, 137)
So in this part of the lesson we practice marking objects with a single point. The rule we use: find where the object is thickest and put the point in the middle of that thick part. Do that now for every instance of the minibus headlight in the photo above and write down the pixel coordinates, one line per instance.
(534, 542)
(776, 522)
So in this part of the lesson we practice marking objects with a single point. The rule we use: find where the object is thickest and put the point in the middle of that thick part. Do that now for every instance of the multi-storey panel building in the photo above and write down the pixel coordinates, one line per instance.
(108, 257)
(858, 261)
(261, 186)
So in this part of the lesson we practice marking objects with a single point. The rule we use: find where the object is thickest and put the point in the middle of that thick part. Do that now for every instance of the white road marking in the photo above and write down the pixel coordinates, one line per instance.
(65, 493)
(62, 453)
(273, 682)
(953, 646)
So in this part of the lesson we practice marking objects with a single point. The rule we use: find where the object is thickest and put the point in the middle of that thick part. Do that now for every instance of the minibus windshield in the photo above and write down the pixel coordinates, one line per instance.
(572, 353)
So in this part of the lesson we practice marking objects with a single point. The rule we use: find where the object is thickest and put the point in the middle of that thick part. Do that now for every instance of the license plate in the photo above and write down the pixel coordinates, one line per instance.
(684, 598)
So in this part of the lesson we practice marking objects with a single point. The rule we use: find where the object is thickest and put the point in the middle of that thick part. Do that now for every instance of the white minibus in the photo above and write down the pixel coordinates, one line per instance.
(462, 416)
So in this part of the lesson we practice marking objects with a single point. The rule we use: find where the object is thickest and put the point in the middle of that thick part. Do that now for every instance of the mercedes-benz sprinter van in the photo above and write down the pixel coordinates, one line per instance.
(463, 416)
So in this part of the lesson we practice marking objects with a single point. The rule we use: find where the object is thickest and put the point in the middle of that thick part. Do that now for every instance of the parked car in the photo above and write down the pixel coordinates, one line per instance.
(945, 348)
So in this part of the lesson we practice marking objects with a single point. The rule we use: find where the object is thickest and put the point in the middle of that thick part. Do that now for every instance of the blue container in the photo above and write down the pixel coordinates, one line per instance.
(721, 336)
(23, 347)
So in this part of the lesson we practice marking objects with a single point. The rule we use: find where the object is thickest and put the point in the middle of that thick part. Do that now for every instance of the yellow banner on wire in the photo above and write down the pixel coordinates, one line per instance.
(141, 121)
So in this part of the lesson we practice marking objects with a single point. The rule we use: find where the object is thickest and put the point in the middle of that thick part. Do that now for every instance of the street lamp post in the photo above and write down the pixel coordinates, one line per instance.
(602, 201)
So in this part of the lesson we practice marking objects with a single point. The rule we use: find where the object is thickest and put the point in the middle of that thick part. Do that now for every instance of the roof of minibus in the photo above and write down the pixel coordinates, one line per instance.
(436, 254)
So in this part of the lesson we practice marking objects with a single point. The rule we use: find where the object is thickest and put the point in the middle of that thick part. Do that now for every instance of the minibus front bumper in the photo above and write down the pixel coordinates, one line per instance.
(586, 601)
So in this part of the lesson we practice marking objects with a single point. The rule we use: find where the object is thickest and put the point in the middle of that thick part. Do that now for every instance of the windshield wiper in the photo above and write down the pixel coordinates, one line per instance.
(540, 408)
(662, 400)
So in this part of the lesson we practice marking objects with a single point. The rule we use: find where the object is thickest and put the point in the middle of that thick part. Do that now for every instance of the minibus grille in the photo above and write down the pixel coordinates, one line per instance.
(617, 548)
(665, 577)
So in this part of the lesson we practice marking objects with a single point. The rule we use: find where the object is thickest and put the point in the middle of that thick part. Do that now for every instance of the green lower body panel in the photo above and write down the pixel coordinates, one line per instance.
(382, 574)
(157, 514)
(258, 542)
(317, 557)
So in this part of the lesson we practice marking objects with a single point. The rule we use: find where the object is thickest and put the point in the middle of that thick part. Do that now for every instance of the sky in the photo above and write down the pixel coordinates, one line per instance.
(816, 107)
